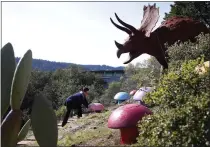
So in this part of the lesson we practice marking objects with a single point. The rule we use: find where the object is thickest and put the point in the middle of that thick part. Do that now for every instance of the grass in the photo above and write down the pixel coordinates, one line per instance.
(84, 136)
(93, 130)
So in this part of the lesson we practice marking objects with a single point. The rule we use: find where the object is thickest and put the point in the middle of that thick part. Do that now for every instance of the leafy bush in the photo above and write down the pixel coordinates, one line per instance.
(180, 52)
(184, 106)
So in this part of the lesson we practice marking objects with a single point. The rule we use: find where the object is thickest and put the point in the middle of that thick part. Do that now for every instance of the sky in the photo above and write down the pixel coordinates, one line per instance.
(72, 32)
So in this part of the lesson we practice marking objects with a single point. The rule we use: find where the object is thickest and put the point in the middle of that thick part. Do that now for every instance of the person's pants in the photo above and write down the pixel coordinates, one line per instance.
(69, 108)
(79, 112)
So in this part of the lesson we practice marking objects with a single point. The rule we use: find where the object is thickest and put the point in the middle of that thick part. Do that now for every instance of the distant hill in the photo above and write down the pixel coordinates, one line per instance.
(45, 65)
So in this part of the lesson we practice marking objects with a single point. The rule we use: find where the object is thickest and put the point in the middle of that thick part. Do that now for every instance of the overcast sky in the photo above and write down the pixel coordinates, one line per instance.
(76, 32)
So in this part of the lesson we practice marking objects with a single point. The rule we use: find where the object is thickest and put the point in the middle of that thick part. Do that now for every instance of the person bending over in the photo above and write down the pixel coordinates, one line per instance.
(75, 101)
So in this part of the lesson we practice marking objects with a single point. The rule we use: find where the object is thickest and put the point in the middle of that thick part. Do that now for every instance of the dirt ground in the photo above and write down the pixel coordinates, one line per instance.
(90, 130)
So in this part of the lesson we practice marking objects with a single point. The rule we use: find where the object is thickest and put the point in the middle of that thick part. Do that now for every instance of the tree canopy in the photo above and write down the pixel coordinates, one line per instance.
(199, 10)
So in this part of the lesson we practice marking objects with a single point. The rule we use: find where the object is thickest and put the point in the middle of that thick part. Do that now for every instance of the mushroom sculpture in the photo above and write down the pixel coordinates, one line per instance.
(133, 92)
(96, 107)
(141, 93)
(121, 97)
(126, 118)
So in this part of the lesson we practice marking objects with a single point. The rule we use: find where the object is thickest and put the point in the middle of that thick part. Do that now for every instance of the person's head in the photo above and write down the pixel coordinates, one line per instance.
(85, 91)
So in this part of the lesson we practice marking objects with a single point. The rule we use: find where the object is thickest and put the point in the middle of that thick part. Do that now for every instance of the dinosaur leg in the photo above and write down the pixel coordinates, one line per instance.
(162, 61)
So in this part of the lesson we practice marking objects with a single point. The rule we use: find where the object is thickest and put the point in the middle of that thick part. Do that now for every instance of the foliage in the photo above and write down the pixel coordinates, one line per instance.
(183, 115)
(60, 112)
(57, 86)
(73, 79)
(11, 124)
(127, 83)
(180, 52)
(195, 9)
(147, 72)
(39, 82)
(181, 100)
(108, 97)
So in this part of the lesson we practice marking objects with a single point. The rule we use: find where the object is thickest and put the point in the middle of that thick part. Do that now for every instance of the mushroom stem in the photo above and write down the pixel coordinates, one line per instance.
(120, 101)
(128, 135)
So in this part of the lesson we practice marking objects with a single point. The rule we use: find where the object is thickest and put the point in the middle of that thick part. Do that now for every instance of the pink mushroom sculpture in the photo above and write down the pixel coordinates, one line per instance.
(133, 92)
(125, 118)
(138, 96)
(96, 107)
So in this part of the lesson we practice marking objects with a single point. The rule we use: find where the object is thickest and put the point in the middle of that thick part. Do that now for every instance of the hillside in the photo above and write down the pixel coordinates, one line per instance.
(89, 130)
(45, 65)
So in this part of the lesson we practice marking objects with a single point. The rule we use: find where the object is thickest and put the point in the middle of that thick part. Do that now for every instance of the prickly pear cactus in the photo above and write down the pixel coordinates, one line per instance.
(11, 124)
(7, 72)
(15, 81)
(44, 122)
(23, 132)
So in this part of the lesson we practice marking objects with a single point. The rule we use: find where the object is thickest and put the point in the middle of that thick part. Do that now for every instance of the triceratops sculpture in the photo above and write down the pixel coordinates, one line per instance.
(143, 40)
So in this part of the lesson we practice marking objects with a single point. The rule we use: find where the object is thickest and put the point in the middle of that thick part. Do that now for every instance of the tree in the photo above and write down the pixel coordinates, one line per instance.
(71, 80)
(147, 72)
(108, 97)
(127, 83)
(199, 10)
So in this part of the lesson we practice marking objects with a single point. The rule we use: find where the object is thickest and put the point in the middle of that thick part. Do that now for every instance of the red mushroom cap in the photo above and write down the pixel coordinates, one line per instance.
(127, 116)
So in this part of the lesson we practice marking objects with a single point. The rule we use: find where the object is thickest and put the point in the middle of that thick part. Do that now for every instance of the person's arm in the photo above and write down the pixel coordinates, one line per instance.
(85, 102)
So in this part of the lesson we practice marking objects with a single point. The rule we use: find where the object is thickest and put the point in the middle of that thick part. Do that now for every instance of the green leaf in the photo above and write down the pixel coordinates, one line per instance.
(23, 132)
(7, 72)
(44, 122)
(10, 128)
(21, 80)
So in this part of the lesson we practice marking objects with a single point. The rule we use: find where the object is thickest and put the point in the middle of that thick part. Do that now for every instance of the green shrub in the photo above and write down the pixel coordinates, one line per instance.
(183, 115)
(60, 112)
(189, 51)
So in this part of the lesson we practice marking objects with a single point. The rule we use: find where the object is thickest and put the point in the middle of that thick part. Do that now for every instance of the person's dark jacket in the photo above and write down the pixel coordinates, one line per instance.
(76, 100)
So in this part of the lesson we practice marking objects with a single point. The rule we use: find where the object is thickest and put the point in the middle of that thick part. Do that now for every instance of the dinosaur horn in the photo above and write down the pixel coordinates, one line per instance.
(132, 55)
(119, 46)
(119, 53)
(130, 58)
(121, 28)
(130, 27)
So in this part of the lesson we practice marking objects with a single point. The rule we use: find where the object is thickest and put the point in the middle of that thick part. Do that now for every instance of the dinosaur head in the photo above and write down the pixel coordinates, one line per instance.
(135, 43)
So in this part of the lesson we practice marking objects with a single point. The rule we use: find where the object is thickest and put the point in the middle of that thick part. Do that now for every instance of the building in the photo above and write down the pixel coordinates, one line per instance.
(109, 75)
